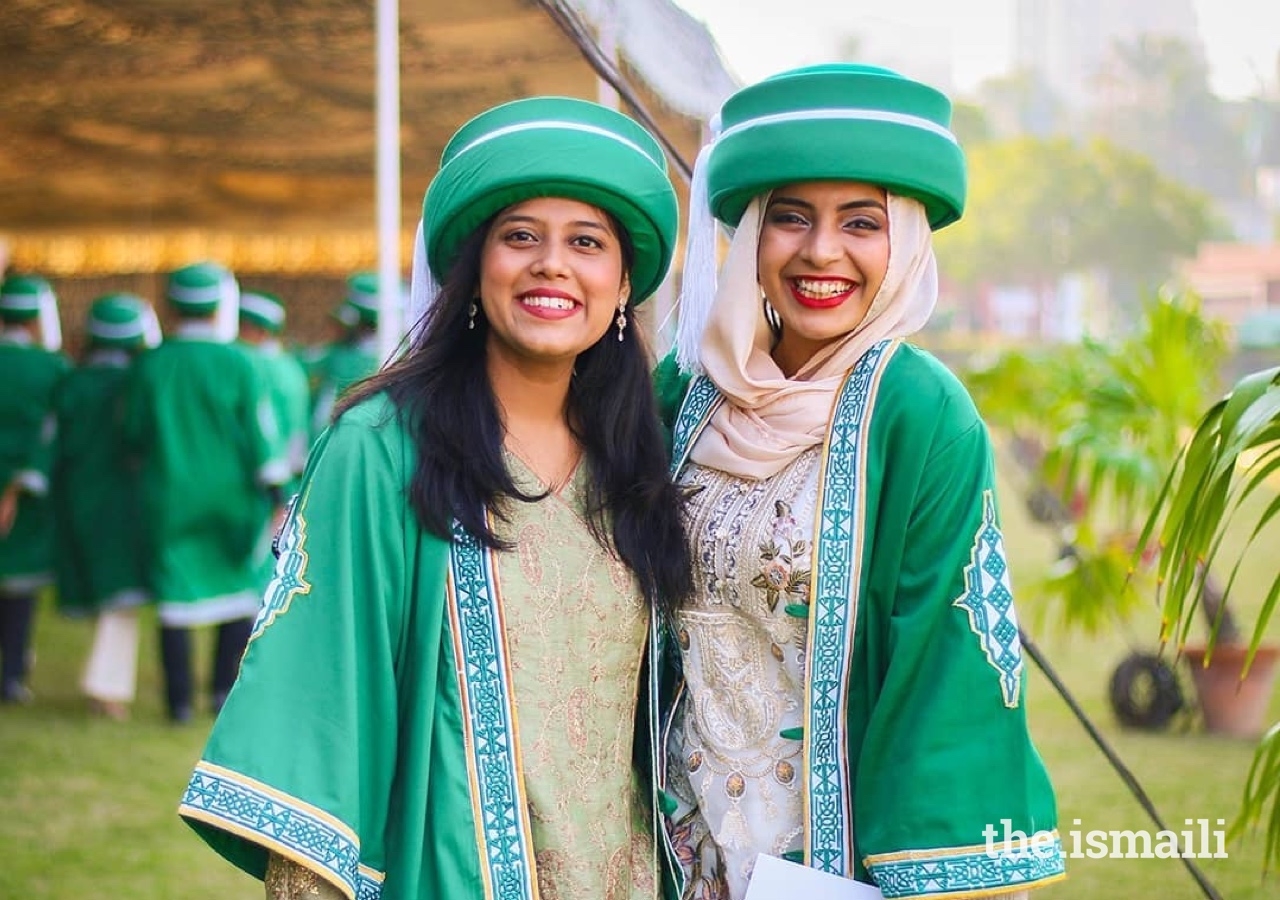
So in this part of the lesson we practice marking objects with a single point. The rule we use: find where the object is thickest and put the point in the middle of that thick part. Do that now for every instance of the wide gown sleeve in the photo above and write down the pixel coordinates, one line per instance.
(948, 771)
(301, 759)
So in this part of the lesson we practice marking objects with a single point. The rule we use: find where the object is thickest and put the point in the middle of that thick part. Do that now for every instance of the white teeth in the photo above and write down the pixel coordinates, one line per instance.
(821, 289)
(547, 302)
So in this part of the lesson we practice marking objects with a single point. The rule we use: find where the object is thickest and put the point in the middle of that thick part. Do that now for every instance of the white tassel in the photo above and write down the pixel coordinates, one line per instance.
(423, 288)
(227, 317)
(698, 282)
(151, 336)
(50, 325)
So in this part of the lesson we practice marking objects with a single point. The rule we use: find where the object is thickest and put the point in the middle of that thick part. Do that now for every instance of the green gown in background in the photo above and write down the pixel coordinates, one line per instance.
(201, 419)
(418, 718)
(290, 393)
(27, 432)
(342, 365)
(914, 730)
(97, 508)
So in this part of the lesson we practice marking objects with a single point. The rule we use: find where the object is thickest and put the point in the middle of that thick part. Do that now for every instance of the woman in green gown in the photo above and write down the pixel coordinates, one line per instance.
(440, 694)
(852, 695)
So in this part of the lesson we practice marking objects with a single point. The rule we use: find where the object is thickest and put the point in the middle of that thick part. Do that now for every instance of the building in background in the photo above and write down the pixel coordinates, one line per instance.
(1067, 42)
(1239, 284)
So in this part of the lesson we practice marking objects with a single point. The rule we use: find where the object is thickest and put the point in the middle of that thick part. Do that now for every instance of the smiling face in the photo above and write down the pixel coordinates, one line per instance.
(824, 251)
(551, 274)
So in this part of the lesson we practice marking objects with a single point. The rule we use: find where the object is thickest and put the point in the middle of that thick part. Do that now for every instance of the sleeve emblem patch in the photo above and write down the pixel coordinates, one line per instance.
(988, 600)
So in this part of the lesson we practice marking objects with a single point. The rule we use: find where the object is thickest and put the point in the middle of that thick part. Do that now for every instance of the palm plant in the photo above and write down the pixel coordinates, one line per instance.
(1096, 426)
(1232, 455)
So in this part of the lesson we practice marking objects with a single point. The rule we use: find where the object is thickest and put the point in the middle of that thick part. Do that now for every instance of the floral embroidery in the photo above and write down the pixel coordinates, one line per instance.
(575, 624)
(743, 659)
(694, 848)
(779, 573)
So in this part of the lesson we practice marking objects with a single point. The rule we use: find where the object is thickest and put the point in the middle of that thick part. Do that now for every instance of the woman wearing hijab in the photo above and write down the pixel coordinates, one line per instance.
(852, 691)
(440, 693)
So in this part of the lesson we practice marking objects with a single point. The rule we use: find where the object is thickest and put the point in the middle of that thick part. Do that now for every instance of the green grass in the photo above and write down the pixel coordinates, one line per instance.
(87, 807)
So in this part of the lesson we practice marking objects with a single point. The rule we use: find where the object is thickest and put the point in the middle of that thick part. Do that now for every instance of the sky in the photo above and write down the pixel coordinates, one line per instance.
(760, 37)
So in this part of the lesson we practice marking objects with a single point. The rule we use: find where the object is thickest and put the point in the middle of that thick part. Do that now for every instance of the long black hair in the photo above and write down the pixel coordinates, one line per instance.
(441, 388)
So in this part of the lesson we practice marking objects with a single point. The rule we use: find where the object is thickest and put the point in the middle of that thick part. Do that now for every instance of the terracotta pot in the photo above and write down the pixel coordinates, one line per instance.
(1231, 706)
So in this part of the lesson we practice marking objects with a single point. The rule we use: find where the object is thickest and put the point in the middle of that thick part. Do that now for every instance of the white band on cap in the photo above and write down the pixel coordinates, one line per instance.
(208, 293)
(861, 115)
(16, 302)
(562, 125)
(363, 299)
(115, 331)
(261, 306)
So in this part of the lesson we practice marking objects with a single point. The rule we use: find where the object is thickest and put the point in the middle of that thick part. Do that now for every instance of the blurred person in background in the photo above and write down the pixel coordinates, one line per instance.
(97, 506)
(202, 422)
(262, 322)
(30, 340)
(355, 355)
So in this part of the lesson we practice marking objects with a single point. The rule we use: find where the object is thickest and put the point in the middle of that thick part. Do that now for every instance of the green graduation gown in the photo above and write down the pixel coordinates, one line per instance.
(201, 420)
(344, 364)
(27, 433)
(915, 734)
(411, 765)
(97, 510)
(290, 394)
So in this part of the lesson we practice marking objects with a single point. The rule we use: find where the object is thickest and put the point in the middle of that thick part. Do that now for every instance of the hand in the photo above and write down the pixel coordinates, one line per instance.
(9, 507)
(277, 519)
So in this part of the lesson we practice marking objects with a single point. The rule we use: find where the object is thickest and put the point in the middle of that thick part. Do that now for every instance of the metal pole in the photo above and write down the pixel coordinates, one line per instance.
(390, 314)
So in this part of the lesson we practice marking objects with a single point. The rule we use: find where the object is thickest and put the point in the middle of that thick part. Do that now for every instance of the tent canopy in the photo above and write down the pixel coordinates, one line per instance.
(256, 117)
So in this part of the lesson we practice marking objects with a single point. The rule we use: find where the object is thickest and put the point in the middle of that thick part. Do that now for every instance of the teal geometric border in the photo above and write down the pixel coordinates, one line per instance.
(832, 617)
(700, 401)
(247, 806)
(967, 871)
(490, 721)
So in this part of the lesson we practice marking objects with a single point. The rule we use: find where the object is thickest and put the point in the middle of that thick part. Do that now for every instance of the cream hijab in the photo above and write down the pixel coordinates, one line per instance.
(768, 419)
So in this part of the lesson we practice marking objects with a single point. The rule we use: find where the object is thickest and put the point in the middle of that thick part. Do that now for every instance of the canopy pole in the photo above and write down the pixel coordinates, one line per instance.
(390, 301)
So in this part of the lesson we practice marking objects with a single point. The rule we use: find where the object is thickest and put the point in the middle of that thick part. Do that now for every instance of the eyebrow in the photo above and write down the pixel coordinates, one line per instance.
(516, 218)
(868, 203)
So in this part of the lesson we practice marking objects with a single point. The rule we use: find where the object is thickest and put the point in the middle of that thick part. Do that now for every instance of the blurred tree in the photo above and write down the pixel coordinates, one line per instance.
(1095, 426)
(1040, 209)
(971, 124)
(1021, 102)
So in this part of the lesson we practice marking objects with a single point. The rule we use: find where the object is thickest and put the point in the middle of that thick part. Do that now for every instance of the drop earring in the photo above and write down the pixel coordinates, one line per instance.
(471, 315)
(622, 316)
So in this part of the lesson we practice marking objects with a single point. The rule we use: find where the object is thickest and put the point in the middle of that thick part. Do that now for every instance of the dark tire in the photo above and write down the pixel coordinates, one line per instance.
(1145, 692)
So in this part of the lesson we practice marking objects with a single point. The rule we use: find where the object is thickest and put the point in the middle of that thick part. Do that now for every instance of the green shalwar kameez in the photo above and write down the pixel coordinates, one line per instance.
(28, 429)
(908, 715)
(97, 509)
(201, 418)
(418, 718)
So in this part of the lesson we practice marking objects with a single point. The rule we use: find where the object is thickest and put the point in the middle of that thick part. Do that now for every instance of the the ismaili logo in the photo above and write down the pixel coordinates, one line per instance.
(1198, 841)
